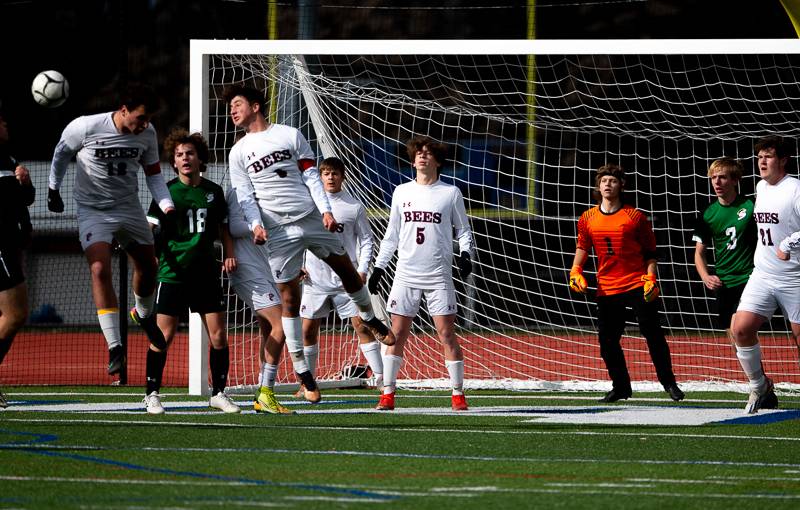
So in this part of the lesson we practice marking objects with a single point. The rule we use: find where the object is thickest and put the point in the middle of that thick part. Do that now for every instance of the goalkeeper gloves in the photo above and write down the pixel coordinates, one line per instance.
(651, 290)
(464, 265)
(375, 280)
(54, 202)
(577, 282)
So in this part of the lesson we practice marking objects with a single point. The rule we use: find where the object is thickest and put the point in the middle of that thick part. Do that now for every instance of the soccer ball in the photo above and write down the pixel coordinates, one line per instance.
(50, 89)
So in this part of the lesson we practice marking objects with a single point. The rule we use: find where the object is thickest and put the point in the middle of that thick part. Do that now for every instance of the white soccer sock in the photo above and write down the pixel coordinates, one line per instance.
(750, 359)
(109, 323)
(456, 371)
(268, 375)
(372, 351)
(293, 329)
(311, 353)
(391, 367)
(363, 302)
(144, 305)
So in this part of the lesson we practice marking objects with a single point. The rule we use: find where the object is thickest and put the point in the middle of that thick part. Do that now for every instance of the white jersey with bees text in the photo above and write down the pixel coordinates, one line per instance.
(107, 161)
(354, 232)
(265, 175)
(777, 215)
(421, 224)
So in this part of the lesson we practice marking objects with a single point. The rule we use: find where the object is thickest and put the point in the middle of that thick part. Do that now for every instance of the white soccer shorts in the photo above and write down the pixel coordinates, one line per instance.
(405, 301)
(258, 294)
(287, 243)
(317, 306)
(125, 222)
(764, 292)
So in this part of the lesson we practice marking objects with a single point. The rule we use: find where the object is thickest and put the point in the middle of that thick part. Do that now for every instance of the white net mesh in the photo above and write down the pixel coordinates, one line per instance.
(526, 135)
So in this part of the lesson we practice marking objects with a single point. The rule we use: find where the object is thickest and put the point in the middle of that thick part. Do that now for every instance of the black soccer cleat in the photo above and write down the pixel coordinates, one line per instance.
(615, 395)
(381, 332)
(674, 392)
(150, 328)
(770, 400)
(116, 360)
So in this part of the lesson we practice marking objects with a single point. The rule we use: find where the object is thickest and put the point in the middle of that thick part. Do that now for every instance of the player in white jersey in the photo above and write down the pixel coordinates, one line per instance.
(110, 149)
(277, 184)
(423, 215)
(322, 288)
(252, 281)
(775, 280)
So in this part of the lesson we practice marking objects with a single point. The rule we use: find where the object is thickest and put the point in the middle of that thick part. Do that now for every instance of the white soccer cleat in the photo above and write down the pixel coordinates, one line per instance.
(224, 403)
(757, 399)
(152, 403)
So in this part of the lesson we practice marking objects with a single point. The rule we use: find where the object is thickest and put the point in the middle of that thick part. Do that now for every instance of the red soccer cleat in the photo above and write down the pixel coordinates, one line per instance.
(459, 403)
(386, 403)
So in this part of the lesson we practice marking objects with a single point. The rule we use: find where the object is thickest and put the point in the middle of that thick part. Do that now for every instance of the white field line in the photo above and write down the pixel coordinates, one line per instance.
(383, 428)
(447, 492)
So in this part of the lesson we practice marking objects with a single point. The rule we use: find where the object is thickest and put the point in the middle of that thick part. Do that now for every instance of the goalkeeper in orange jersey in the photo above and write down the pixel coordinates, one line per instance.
(625, 247)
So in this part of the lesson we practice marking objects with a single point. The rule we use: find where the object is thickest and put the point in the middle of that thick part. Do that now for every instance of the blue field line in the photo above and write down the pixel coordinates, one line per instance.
(40, 438)
(763, 419)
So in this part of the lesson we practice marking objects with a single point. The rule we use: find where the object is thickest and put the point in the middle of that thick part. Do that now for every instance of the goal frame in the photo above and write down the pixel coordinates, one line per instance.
(199, 89)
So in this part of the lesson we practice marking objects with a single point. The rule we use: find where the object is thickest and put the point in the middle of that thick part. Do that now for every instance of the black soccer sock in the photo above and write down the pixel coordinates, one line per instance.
(307, 379)
(155, 369)
(5, 345)
(219, 361)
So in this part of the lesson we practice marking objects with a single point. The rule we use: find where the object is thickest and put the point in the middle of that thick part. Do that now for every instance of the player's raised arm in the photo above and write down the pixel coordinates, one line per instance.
(158, 188)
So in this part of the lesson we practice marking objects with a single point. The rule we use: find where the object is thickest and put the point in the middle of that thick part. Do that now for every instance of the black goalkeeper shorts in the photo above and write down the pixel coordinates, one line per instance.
(204, 295)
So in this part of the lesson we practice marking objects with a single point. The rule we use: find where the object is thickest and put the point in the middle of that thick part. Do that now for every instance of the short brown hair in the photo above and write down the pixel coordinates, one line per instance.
(438, 149)
(772, 142)
(252, 95)
(334, 164)
(731, 166)
(612, 170)
(180, 136)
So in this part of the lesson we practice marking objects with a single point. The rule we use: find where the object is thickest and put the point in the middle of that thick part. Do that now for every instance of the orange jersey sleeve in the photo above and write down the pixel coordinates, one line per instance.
(623, 241)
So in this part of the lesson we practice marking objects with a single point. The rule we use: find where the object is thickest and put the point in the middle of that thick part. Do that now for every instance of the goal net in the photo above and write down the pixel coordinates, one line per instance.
(528, 124)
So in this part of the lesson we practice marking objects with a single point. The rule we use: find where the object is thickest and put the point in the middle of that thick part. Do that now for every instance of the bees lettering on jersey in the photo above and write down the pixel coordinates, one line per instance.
(117, 152)
(340, 227)
(422, 216)
(269, 160)
(766, 217)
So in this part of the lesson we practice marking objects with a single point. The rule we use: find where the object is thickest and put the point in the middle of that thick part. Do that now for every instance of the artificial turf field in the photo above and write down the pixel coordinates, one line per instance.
(97, 448)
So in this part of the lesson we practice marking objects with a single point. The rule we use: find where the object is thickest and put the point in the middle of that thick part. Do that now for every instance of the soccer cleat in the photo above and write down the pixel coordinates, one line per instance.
(3, 400)
(267, 403)
(148, 324)
(382, 333)
(615, 395)
(459, 403)
(224, 403)
(301, 392)
(152, 403)
(309, 386)
(674, 392)
(386, 402)
(116, 360)
(759, 399)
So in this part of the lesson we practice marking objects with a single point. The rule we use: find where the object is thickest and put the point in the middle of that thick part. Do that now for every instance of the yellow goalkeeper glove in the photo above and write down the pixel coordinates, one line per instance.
(576, 280)
(651, 290)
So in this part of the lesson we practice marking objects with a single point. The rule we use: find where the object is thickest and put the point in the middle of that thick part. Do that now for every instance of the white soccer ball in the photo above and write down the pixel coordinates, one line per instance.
(50, 89)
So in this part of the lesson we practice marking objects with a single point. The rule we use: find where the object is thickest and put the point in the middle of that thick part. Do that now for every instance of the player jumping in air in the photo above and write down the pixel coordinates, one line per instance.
(277, 184)
(110, 149)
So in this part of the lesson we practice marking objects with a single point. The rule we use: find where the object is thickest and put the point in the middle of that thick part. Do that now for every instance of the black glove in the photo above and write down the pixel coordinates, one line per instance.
(375, 280)
(54, 202)
(464, 265)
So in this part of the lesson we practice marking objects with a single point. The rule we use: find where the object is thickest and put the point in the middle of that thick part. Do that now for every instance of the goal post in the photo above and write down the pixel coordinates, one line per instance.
(526, 135)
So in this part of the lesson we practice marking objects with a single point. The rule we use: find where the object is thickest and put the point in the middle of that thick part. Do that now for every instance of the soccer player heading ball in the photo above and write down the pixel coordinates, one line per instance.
(110, 150)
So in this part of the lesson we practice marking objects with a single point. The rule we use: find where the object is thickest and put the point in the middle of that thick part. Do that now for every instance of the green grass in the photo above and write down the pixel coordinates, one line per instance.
(189, 458)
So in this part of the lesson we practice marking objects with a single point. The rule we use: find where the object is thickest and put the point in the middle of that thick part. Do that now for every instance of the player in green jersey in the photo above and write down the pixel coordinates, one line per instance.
(728, 227)
(188, 271)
